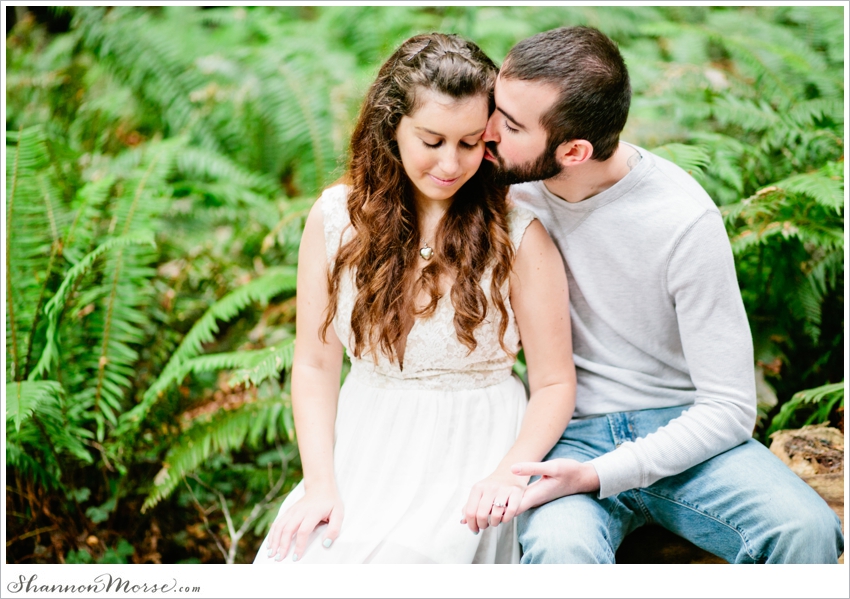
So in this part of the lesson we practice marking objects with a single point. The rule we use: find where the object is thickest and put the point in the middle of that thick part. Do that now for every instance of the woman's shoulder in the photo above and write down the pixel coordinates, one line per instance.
(335, 198)
(518, 220)
(334, 206)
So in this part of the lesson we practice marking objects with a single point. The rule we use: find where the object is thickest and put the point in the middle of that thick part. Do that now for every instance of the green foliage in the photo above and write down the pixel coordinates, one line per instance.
(116, 555)
(261, 290)
(819, 401)
(22, 399)
(161, 162)
(227, 430)
(39, 440)
(692, 159)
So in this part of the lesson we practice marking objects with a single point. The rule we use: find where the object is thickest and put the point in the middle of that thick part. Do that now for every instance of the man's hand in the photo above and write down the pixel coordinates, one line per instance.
(558, 478)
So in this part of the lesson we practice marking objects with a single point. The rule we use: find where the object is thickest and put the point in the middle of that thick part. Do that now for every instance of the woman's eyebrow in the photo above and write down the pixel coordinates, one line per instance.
(426, 130)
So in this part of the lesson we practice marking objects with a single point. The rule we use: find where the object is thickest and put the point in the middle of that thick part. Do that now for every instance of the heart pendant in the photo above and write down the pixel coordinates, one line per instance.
(426, 253)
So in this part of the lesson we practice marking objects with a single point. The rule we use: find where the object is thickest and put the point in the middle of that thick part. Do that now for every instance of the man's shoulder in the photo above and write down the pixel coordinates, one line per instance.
(671, 183)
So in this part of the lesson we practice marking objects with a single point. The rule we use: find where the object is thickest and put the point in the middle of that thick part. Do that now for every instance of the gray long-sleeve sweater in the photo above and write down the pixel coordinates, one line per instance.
(657, 317)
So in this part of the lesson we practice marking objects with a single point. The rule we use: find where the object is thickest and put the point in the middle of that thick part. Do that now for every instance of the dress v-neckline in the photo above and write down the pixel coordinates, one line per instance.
(416, 322)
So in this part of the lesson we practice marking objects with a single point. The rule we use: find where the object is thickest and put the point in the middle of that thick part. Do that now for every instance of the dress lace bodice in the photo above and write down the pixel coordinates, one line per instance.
(434, 358)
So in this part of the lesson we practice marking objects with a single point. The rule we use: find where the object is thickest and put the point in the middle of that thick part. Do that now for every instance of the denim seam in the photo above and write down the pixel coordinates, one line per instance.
(645, 510)
(718, 519)
(607, 536)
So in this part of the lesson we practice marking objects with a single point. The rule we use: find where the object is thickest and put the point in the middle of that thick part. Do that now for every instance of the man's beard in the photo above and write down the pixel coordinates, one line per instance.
(543, 167)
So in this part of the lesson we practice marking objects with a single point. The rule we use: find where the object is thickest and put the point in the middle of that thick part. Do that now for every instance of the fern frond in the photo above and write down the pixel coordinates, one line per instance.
(825, 190)
(817, 394)
(268, 363)
(23, 398)
(806, 302)
(808, 112)
(298, 116)
(55, 306)
(746, 114)
(142, 55)
(828, 268)
(80, 235)
(824, 28)
(274, 282)
(226, 430)
(18, 458)
(119, 324)
(202, 164)
(33, 218)
(691, 159)
(826, 395)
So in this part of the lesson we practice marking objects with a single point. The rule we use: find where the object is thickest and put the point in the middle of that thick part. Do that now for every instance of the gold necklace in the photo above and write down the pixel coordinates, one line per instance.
(426, 252)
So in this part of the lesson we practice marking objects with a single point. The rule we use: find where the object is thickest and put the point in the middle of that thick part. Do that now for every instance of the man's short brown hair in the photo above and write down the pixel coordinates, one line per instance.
(590, 74)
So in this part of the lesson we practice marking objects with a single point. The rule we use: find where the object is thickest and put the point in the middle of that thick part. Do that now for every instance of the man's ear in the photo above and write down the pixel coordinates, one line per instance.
(574, 152)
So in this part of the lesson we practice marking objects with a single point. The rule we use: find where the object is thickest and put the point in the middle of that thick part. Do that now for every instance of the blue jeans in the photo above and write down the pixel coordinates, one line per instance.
(743, 505)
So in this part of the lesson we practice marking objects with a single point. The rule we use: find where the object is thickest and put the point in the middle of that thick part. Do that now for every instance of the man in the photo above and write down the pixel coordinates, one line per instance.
(665, 405)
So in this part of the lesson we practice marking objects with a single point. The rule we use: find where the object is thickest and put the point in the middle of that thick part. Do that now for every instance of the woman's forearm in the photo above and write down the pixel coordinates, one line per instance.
(549, 411)
(314, 401)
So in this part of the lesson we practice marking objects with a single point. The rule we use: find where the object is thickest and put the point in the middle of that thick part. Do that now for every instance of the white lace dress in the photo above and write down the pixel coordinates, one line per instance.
(409, 444)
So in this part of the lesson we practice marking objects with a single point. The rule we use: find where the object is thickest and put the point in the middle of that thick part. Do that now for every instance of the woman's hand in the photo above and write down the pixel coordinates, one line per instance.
(323, 505)
(494, 500)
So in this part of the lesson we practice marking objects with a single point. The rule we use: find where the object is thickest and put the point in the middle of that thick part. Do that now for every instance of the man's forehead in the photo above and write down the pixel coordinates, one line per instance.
(527, 99)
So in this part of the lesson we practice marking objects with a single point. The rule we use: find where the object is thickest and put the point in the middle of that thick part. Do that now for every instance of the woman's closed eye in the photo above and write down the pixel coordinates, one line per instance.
(463, 144)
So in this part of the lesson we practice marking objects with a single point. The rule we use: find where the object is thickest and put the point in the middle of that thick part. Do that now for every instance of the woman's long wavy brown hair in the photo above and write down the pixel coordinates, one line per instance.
(473, 233)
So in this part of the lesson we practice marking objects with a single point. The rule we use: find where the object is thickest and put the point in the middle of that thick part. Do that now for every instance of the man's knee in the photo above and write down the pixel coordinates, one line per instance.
(811, 538)
(569, 530)
(808, 534)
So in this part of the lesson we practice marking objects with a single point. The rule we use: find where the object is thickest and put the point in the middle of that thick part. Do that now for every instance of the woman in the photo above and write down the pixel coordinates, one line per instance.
(417, 269)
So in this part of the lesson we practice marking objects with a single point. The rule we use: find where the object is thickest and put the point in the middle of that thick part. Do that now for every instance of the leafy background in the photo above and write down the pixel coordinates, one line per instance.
(160, 162)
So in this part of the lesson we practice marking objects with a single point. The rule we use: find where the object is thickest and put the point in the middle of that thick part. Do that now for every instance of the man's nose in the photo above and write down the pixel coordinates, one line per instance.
(491, 133)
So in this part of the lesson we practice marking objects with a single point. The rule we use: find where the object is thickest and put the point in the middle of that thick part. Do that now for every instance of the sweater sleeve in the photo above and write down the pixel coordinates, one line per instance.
(718, 349)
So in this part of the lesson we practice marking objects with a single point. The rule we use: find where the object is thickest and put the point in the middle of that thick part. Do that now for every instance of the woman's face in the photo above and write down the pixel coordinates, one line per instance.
(440, 143)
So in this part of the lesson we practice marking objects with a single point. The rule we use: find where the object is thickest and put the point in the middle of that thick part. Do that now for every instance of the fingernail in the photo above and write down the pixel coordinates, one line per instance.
(270, 553)
(294, 557)
(278, 558)
(476, 532)
(327, 542)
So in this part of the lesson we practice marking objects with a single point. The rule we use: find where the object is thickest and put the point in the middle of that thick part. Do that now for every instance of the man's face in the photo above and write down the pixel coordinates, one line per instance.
(515, 139)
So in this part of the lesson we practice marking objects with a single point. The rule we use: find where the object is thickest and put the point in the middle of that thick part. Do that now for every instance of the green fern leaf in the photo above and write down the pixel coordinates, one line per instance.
(269, 362)
(23, 398)
(203, 164)
(829, 395)
(274, 282)
(226, 430)
(19, 459)
(748, 115)
(692, 159)
(825, 190)
(54, 307)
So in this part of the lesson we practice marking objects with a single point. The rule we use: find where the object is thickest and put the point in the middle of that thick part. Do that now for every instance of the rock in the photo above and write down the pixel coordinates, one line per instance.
(811, 450)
